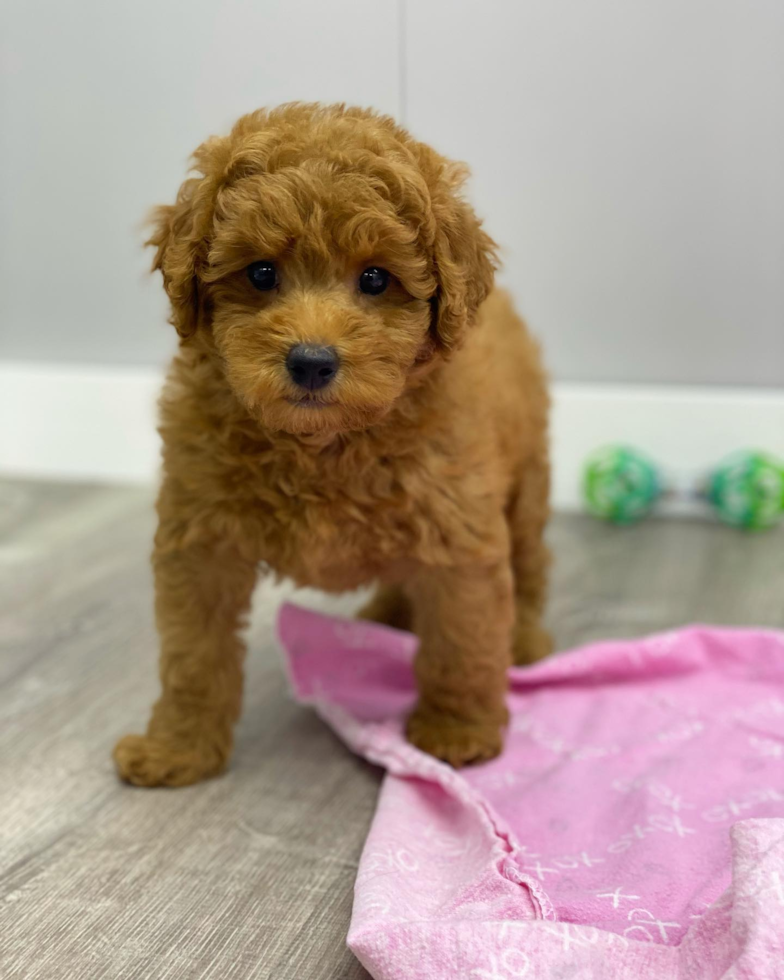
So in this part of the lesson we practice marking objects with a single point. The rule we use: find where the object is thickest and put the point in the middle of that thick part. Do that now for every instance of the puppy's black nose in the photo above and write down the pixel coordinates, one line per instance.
(312, 367)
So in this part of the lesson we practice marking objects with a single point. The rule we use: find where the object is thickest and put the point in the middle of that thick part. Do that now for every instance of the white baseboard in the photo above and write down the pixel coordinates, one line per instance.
(79, 422)
(98, 423)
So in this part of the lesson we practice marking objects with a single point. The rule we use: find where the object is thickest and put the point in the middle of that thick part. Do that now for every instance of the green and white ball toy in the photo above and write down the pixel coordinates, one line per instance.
(747, 490)
(620, 484)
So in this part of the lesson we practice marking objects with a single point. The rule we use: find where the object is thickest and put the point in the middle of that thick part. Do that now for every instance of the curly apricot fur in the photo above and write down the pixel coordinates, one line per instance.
(422, 467)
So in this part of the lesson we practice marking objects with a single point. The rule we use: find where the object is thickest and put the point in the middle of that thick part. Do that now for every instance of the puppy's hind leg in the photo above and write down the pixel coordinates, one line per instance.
(389, 605)
(527, 517)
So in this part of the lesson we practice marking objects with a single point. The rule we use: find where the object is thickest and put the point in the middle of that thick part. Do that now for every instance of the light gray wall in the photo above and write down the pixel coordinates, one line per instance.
(628, 156)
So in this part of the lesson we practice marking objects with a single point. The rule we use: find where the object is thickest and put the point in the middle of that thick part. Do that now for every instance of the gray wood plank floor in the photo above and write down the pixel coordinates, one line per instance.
(251, 875)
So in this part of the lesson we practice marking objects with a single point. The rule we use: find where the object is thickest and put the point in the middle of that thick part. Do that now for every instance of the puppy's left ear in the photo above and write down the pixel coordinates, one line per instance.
(465, 263)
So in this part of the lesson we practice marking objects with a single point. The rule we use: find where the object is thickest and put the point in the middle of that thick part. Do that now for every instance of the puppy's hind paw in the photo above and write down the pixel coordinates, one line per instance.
(530, 642)
(147, 760)
(458, 743)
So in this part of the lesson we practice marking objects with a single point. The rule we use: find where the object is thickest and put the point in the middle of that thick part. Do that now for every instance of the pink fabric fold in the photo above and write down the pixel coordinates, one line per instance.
(633, 826)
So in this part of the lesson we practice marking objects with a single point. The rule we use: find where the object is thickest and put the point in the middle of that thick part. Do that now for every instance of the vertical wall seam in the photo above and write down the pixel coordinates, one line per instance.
(402, 63)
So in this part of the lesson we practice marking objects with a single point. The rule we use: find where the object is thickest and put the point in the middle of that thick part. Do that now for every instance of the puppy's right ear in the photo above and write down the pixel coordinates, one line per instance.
(181, 240)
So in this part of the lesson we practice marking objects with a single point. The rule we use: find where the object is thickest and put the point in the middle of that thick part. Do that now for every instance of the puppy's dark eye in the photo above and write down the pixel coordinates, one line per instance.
(263, 275)
(374, 281)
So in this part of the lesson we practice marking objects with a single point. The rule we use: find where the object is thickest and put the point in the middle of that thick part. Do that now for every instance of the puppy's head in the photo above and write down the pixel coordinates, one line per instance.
(326, 258)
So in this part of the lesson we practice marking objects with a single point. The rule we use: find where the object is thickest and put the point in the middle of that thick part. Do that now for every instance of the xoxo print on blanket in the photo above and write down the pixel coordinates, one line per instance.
(633, 826)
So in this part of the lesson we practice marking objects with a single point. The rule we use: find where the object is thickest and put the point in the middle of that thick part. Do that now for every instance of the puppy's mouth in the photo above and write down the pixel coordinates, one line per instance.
(309, 401)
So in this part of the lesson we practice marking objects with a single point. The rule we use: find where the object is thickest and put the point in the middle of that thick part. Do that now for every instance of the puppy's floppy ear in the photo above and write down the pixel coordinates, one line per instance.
(465, 261)
(180, 238)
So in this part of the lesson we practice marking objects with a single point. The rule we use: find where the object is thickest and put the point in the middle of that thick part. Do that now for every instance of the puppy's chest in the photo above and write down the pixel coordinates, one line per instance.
(338, 530)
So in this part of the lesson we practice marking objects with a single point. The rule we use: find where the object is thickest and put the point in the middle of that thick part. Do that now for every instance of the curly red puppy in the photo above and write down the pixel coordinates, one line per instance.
(351, 403)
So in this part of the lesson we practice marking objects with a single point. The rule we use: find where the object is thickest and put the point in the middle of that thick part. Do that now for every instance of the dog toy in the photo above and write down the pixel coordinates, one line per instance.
(622, 485)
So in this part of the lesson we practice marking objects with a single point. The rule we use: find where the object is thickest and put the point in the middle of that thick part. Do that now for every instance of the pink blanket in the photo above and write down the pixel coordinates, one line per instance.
(633, 827)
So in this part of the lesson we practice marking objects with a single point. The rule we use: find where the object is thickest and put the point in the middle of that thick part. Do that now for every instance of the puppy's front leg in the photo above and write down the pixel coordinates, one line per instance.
(463, 617)
(202, 592)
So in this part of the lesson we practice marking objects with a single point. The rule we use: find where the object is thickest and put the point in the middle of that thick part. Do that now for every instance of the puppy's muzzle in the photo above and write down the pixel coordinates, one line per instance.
(312, 368)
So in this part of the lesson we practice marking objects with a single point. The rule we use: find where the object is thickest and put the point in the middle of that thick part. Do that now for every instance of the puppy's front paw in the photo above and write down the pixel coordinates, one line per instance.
(147, 760)
(458, 743)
